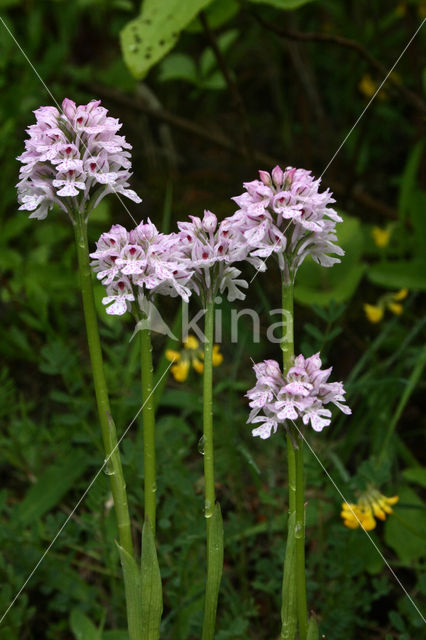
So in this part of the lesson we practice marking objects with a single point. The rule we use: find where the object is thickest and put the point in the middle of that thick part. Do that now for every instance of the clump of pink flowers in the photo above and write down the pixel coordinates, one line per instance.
(137, 263)
(284, 214)
(303, 393)
(211, 248)
(73, 159)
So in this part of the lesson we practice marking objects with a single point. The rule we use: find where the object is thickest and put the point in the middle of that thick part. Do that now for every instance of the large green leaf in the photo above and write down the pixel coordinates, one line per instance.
(152, 597)
(319, 285)
(51, 486)
(286, 5)
(401, 274)
(417, 475)
(146, 39)
(405, 528)
(82, 627)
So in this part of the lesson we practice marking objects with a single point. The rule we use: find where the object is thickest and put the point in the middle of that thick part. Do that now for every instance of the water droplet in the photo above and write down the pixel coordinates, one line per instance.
(208, 509)
(154, 487)
(298, 531)
(108, 468)
(201, 444)
(133, 48)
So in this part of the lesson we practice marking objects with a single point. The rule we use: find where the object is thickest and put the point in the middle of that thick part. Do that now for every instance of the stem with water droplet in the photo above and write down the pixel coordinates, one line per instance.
(296, 486)
(212, 581)
(109, 435)
(148, 420)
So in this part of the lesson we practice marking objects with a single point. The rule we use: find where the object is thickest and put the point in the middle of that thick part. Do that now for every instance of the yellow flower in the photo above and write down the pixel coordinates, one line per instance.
(381, 237)
(371, 504)
(400, 9)
(191, 355)
(401, 294)
(217, 358)
(172, 355)
(198, 365)
(396, 308)
(180, 371)
(191, 342)
(373, 313)
(368, 87)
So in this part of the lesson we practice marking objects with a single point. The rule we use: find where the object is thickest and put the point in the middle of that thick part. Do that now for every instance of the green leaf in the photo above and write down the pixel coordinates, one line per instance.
(418, 218)
(410, 274)
(286, 5)
(51, 486)
(82, 627)
(133, 590)
(146, 39)
(404, 529)
(217, 13)
(152, 597)
(416, 475)
(409, 179)
(214, 570)
(288, 595)
(115, 634)
(319, 285)
(178, 66)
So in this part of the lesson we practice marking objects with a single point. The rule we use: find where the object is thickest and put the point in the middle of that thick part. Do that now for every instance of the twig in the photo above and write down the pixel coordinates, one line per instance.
(409, 95)
(217, 138)
(232, 85)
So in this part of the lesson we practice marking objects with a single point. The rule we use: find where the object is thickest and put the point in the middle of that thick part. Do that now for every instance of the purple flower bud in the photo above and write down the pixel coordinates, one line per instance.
(277, 176)
(265, 178)
(209, 222)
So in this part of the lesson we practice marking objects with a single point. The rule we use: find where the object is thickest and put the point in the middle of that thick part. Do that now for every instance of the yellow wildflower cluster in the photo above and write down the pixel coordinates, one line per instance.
(191, 355)
(371, 505)
(391, 301)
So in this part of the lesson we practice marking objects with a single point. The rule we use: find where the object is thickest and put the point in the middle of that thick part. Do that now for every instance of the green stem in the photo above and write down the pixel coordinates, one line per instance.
(148, 418)
(211, 510)
(302, 612)
(295, 476)
(208, 444)
(109, 436)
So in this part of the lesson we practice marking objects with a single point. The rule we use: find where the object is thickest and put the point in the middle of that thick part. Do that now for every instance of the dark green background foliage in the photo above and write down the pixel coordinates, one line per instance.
(239, 89)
